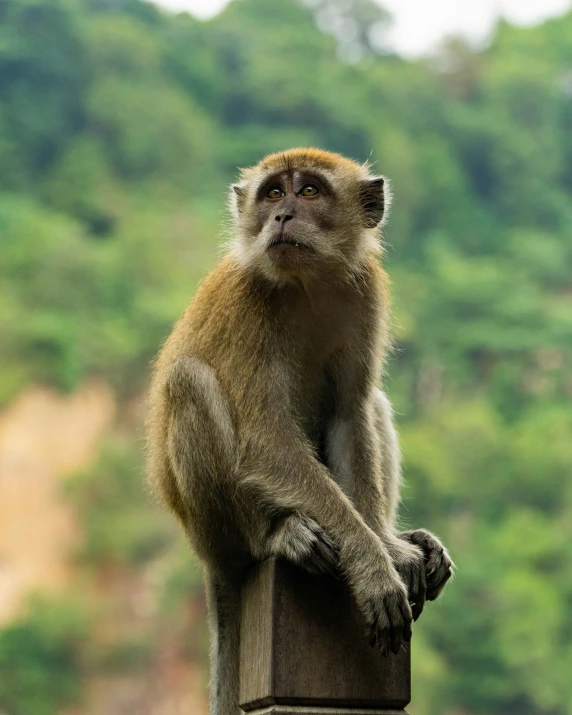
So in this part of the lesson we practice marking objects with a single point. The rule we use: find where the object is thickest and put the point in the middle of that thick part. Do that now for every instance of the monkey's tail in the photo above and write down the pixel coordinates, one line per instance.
(223, 599)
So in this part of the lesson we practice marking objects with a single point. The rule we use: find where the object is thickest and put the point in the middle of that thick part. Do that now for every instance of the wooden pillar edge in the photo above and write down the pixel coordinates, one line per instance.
(303, 650)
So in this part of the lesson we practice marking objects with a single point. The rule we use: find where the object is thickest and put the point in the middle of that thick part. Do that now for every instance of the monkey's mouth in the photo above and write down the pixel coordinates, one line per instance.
(283, 239)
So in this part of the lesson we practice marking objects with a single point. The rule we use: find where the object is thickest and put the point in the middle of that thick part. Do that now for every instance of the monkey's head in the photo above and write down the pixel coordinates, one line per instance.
(305, 211)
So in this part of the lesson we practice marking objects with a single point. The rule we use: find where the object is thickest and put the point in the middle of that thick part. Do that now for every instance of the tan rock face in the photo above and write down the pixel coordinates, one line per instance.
(44, 437)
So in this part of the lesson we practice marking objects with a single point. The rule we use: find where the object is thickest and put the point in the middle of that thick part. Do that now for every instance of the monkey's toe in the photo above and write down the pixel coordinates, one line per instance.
(438, 564)
(437, 579)
(413, 575)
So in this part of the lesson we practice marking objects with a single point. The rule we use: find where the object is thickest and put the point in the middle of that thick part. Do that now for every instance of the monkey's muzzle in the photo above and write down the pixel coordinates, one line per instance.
(284, 239)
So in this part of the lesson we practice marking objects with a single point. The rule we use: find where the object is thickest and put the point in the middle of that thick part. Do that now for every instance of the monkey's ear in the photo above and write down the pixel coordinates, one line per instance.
(372, 199)
(238, 197)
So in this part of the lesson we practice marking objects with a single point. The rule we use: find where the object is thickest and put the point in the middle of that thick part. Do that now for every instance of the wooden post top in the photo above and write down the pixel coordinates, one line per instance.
(303, 649)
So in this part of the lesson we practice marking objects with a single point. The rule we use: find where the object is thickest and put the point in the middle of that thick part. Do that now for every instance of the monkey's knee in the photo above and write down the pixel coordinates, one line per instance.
(390, 452)
(190, 378)
(201, 438)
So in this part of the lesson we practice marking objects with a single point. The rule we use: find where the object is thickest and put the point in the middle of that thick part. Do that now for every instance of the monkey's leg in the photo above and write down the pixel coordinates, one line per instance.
(390, 455)
(223, 600)
(201, 450)
(201, 442)
(438, 563)
(363, 452)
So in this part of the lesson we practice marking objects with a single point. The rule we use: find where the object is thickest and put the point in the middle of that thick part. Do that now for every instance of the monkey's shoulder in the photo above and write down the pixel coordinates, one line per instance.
(229, 311)
(228, 297)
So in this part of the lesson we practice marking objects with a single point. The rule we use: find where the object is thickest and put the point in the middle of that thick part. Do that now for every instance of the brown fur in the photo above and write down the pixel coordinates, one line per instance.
(267, 433)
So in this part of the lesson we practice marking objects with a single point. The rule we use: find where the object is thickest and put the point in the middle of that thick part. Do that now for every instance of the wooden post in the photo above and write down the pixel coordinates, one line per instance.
(304, 652)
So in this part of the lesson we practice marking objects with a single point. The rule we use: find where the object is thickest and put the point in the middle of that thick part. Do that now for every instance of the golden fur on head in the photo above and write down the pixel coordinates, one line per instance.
(342, 246)
(312, 157)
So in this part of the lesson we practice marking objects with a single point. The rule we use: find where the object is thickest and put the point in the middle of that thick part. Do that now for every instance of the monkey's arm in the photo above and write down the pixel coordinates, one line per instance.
(277, 461)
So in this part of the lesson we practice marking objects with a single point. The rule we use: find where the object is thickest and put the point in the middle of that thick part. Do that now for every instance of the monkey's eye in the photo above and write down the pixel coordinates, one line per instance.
(309, 190)
(276, 192)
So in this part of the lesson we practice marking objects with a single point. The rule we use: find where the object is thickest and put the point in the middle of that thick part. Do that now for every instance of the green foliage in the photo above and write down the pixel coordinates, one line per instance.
(121, 525)
(41, 659)
(119, 129)
(73, 306)
(184, 578)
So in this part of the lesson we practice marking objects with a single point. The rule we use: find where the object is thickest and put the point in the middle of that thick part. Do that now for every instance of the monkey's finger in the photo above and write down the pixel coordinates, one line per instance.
(417, 608)
(435, 590)
(437, 581)
(406, 613)
(407, 632)
(418, 597)
(380, 628)
(422, 592)
(396, 639)
(384, 642)
(389, 635)
(417, 589)
(432, 548)
(435, 561)
(372, 637)
(375, 636)
(422, 538)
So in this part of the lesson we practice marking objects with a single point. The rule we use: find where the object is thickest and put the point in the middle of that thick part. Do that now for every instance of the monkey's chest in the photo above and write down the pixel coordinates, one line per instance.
(316, 340)
(315, 402)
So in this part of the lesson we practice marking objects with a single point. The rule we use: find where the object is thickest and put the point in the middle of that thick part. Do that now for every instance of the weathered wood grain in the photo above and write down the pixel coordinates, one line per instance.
(303, 649)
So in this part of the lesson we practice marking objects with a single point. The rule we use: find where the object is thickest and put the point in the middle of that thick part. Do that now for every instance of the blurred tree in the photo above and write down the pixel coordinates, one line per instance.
(359, 26)
(41, 659)
(36, 41)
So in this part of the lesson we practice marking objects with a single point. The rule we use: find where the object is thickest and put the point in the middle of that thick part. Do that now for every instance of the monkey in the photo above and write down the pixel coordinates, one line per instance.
(267, 431)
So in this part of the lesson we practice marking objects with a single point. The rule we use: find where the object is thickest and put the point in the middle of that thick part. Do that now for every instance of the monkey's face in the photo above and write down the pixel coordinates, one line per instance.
(293, 213)
(296, 218)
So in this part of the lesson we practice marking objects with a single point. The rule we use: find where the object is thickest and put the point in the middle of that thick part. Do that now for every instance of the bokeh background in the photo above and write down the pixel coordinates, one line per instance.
(120, 126)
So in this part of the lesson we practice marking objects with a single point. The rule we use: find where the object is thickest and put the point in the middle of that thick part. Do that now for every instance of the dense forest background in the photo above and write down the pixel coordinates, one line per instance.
(120, 127)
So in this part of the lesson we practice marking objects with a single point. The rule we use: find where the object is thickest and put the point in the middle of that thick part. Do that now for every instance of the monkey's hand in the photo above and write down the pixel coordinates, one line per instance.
(299, 539)
(382, 598)
(438, 564)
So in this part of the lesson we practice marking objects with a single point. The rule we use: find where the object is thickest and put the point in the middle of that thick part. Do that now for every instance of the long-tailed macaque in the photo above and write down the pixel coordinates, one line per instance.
(268, 433)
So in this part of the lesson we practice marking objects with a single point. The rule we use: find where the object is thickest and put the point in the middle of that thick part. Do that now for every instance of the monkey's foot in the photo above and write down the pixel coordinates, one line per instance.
(408, 559)
(438, 564)
(302, 541)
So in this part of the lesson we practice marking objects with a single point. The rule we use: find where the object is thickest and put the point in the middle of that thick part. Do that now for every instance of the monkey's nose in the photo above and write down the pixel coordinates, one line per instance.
(283, 217)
